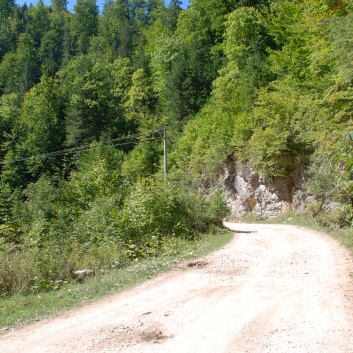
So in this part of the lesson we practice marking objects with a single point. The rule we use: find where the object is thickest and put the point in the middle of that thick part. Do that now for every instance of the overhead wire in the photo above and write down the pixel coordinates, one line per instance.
(84, 148)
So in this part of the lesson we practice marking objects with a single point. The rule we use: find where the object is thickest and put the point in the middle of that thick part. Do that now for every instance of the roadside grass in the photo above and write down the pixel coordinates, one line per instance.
(22, 309)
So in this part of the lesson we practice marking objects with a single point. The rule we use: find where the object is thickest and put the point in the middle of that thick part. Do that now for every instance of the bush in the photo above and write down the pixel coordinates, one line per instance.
(216, 207)
(100, 221)
(33, 269)
(155, 209)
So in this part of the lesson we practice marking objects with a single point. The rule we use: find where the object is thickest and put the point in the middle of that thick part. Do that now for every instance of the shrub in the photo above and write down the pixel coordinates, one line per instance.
(154, 209)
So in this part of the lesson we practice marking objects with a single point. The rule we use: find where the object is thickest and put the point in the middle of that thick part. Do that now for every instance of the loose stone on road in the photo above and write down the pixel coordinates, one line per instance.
(274, 288)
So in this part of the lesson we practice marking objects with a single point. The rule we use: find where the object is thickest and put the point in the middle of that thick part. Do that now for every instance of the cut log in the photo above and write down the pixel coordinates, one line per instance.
(81, 274)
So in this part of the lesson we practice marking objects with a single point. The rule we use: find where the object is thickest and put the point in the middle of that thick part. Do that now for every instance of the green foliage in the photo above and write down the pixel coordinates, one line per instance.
(84, 23)
(22, 309)
(115, 28)
(33, 269)
(9, 232)
(50, 53)
(323, 181)
(9, 113)
(96, 182)
(6, 8)
(110, 224)
(40, 198)
(19, 70)
(206, 141)
(42, 125)
(216, 207)
(330, 180)
(140, 98)
(224, 125)
(38, 22)
(8, 24)
(263, 81)
(281, 139)
(154, 209)
(96, 94)
(143, 160)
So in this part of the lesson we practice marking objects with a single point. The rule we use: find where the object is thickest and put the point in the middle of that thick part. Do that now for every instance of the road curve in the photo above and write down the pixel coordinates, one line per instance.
(274, 288)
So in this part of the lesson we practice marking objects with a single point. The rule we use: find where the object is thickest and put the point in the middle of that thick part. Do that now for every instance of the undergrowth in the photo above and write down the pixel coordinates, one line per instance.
(24, 308)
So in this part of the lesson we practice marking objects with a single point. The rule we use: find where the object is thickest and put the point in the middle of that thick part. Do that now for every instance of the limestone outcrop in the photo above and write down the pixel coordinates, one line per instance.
(249, 192)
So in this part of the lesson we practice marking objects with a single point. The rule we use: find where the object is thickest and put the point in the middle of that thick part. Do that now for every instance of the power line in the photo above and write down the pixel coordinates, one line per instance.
(84, 148)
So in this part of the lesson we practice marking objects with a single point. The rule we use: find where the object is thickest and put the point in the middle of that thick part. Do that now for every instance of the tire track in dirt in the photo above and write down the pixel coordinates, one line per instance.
(274, 288)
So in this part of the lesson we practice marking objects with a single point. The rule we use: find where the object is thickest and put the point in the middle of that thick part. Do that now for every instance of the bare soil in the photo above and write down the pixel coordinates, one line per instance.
(274, 288)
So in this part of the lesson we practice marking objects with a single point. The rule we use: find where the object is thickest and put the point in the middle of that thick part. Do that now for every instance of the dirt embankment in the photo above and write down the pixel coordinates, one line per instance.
(272, 289)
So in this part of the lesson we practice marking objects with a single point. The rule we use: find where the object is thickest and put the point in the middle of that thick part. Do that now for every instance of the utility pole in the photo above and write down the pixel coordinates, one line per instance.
(165, 154)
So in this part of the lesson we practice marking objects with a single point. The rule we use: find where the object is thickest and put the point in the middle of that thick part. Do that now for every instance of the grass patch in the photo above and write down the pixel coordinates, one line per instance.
(22, 309)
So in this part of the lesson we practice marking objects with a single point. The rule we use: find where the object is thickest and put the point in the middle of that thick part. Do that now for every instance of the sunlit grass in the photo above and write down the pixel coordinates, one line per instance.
(21, 309)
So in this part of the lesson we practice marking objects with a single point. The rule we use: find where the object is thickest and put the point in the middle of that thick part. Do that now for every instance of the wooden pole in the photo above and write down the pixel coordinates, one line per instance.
(165, 154)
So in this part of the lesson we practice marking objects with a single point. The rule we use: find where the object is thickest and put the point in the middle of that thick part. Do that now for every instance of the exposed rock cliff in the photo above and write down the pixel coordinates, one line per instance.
(248, 191)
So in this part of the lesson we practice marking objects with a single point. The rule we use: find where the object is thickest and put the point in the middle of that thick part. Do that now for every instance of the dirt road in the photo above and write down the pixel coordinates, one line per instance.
(272, 289)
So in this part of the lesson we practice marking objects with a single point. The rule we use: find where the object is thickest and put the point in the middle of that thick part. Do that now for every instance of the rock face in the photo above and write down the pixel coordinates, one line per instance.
(248, 192)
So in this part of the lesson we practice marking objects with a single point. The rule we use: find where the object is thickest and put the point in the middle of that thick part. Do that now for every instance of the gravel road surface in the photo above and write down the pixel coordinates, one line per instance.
(273, 289)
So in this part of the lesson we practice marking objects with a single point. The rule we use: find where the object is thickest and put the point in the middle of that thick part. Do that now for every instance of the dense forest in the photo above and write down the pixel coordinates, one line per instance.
(85, 96)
